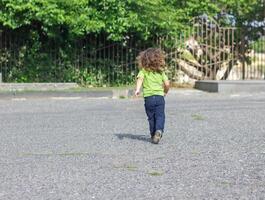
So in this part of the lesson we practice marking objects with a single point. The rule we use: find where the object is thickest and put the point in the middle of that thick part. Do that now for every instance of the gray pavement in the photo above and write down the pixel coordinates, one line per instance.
(213, 148)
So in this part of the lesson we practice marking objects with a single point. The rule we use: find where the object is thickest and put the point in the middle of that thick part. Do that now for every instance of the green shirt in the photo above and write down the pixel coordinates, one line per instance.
(153, 83)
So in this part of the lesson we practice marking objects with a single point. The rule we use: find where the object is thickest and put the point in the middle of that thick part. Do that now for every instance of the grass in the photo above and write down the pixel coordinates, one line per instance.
(134, 168)
(155, 173)
(197, 117)
(72, 154)
(225, 183)
(194, 152)
(122, 97)
(131, 168)
(127, 167)
(56, 154)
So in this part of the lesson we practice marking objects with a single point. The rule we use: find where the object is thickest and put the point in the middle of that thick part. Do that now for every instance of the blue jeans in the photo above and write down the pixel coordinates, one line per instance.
(155, 110)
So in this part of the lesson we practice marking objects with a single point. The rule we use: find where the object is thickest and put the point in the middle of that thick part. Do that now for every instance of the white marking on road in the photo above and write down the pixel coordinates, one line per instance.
(19, 99)
(77, 98)
(66, 98)
(234, 95)
(241, 95)
(96, 97)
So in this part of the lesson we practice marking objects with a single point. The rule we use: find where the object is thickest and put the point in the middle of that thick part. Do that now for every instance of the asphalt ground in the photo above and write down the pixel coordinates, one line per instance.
(89, 148)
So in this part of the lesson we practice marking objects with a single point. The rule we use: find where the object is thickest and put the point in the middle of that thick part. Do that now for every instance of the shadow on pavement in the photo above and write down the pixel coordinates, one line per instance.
(144, 138)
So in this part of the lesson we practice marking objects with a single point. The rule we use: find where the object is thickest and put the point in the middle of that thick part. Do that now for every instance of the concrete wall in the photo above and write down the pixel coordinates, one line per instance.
(36, 86)
(231, 86)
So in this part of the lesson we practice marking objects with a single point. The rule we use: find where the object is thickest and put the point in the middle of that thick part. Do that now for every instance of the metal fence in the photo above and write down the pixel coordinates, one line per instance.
(92, 60)
(206, 51)
(209, 51)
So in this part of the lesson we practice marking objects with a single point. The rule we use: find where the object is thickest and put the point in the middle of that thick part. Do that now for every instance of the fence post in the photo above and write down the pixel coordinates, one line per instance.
(1, 46)
(242, 52)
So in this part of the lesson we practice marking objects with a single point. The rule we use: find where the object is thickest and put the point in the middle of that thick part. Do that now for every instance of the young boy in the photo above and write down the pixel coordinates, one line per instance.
(155, 86)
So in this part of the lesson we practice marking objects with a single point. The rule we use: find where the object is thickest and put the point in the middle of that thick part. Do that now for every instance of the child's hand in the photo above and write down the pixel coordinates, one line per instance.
(138, 86)
(137, 93)
(166, 87)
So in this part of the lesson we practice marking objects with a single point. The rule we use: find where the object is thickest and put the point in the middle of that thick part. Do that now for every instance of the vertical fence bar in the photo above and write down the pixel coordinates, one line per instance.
(95, 63)
(99, 60)
(118, 64)
(104, 80)
(121, 54)
(223, 48)
(113, 64)
(243, 55)
(210, 50)
(108, 62)
(215, 53)
(232, 50)
(256, 60)
(229, 52)
(180, 42)
(54, 59)
(263, 52)
(206, 51)
(1, 55)
(4, 64)
(251, 67)
(259, 67)
(174, 56)
(89, 51)
(83, 49)
(127, 65)
(193, 39)
(197, 36)
(239, 71)
(10, 62)
(219, 52)
(133, 55)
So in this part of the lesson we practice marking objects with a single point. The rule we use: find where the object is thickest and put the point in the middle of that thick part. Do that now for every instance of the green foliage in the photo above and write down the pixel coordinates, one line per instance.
(63, 21)
(50, 14)
(259, 45)
(244, 10)
(117, 18)
(114, 17)
(35, 62)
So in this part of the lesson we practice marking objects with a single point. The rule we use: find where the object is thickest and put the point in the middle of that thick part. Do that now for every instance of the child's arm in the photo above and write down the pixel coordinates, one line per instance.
(139, 83)
(166, 86)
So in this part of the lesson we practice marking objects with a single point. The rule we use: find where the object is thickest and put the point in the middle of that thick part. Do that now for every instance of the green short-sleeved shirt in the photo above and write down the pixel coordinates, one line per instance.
(153, 82)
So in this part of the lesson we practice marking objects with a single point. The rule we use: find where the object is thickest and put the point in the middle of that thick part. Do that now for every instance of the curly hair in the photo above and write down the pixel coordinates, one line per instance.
(152, 59)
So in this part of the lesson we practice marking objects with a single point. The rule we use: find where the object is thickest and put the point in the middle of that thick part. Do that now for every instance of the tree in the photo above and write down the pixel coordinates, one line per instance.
(64, 21)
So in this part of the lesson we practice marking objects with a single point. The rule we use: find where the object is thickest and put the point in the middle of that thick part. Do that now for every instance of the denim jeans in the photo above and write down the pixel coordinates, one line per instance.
(155, 110)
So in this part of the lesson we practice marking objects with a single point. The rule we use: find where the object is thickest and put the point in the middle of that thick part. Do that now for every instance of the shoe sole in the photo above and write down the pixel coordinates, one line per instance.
(156, 138)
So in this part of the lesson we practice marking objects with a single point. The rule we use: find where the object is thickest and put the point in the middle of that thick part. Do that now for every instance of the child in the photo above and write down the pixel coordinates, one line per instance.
(155, 86)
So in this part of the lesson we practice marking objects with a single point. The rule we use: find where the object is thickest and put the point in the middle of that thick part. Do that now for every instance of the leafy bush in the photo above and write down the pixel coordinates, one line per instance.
(259, 45)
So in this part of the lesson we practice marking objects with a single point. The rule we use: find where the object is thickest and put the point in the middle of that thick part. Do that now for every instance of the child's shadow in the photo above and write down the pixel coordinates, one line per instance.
(144, 138)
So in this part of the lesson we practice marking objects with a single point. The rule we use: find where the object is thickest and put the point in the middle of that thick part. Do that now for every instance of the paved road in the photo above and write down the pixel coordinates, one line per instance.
(213, 148)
